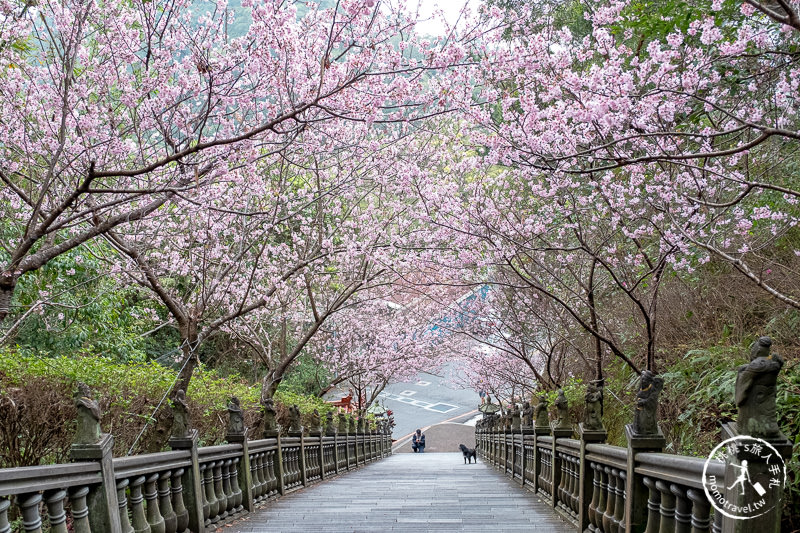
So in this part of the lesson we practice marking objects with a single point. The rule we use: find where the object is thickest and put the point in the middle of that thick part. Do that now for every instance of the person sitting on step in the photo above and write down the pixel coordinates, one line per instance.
(418, 442)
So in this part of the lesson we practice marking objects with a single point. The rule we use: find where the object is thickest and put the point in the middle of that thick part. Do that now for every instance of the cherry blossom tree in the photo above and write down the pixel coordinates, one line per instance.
(375, 342)
(696, 121)
(110, 111)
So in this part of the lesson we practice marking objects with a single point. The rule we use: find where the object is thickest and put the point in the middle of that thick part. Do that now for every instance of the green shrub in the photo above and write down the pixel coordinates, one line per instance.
(131, 396)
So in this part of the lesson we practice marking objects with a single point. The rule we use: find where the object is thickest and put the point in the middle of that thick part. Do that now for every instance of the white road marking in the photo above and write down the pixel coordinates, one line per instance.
(403, 397)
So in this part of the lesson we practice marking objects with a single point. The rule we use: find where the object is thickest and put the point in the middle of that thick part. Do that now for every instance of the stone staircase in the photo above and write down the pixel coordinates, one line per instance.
(412, 493)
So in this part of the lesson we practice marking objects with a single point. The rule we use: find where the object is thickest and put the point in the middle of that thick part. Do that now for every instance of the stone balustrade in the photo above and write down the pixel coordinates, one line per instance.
(587, 483)
(611, 489)
(190, 489)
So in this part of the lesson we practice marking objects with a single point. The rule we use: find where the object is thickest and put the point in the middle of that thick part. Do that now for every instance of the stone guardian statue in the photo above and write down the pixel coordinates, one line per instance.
(235, 417)
(527, 415)
(593, 413)
(563, 411)
(88, 416)
(756, 391)
(270, 417)
(645, 417)
(540, 412)
(294, 419)
(181, 423)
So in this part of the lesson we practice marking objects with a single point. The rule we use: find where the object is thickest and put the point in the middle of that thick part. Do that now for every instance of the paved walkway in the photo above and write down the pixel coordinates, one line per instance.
(441, 438)
(412, 493)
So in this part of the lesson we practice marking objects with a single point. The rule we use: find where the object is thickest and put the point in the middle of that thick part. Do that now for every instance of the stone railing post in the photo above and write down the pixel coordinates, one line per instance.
(644, 436)
(303, 471)
(586, 476)
(279, 463)
(245, 477)
(192, 482)
(102, 499)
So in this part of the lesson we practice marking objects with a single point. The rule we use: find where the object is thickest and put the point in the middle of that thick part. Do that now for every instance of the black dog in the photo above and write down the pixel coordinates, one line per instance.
(469, 453)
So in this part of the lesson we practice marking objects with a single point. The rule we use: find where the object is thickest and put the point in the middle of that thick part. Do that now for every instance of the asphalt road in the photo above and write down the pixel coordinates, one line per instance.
(425, 401)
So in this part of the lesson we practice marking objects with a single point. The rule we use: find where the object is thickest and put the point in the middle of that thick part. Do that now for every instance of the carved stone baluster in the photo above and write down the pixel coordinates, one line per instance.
(263, 474)
(80, 510)
(595, 495)
(619, 506)
(701, 509)
(298, 467)
(543, 471)
(567, 472)
(222, 500)
(295, 468)
(254, 468)
(653, 506)
(568, 499)
(122, 504)
(140, 524)
(5, 527)
(290, 467)
(226, 487)
(611, 499)
(271, 472)
(683, 509)
(165, 503)
(309, 457)
(178, 506)
(273, 476)
(574, 487)
(667, 508)
(154, 517)
(204, 492)
(29, 507)
(562, 483)
(294, 464)
(236, 502)
(213, 503)
(576, 479)
(55, 510)
(716, 527)
(603, 502)
(286, 457)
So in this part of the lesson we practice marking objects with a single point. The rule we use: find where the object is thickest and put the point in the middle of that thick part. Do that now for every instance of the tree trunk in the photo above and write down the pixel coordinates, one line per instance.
(189, 347)
(269, 385)
(7, 285)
